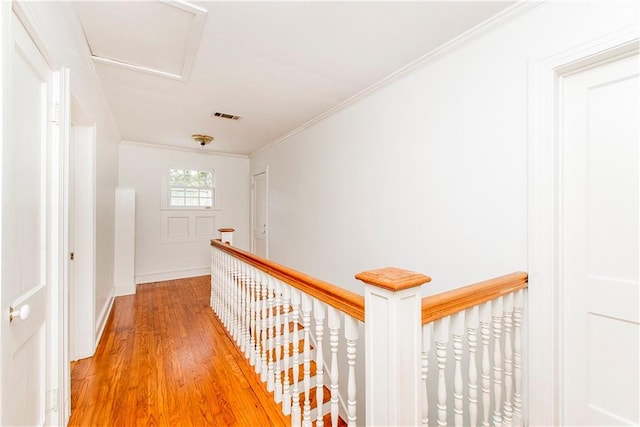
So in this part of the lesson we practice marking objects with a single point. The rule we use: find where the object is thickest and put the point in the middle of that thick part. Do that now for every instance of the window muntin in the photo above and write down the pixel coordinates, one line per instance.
(190, 189)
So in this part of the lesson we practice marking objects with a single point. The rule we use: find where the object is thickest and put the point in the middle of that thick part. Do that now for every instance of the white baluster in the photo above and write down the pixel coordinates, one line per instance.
(255, 310)
(225, 292)
(286, 389)
(277, 393)
(471, 323)
(214, 280)
(457, 329)
(427, 333)
(485, 373)
(270, 333)
(517, 358)
(334, 330)
(319, 315)
(222, 288)
(242, 307)
(247, 314)
(229, 293)
(508, 361)
(263, 327)
(496, 305)
(233, 300)
(218, 280)
(441, 331)
(306, 323)
(351, 335)
(295, 404)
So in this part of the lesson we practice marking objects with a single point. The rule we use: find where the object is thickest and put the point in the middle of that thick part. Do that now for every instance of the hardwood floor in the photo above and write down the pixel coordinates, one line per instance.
(165, 360)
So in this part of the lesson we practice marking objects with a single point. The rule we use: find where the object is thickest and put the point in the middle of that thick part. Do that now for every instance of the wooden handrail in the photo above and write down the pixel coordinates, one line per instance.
(441, 305)
(337, 297)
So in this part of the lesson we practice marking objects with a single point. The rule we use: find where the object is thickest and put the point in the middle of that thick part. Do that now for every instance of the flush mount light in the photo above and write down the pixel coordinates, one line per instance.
(202, 139)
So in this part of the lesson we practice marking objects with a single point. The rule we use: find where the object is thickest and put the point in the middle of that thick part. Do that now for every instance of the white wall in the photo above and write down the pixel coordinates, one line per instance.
(428, 173)
(56, 26)
(142, 168)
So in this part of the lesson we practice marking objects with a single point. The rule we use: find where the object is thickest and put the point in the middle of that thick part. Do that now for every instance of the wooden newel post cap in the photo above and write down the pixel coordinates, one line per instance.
(226, 230)
(393, 279)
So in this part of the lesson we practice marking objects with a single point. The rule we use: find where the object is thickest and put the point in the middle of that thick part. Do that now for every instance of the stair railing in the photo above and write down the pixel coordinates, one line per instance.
(277, 316)
(481, 325)
(471, 337)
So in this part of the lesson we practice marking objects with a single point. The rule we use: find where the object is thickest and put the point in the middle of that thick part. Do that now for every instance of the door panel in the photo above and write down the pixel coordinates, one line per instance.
(601, 235)
(260, 215)
(25, 221)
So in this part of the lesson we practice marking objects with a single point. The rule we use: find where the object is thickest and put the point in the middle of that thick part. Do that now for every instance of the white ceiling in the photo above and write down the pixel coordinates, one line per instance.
(277, 65)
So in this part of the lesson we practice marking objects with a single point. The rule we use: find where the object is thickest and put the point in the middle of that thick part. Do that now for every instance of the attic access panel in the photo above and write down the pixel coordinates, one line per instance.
(155, 37)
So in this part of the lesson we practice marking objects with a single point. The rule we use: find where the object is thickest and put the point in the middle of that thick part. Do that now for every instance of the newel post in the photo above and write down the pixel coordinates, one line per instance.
(226, 235)
(393, 340)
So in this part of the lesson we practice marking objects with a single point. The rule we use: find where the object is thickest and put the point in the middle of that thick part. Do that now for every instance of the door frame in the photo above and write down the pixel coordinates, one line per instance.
(544, 393)
(253, 208)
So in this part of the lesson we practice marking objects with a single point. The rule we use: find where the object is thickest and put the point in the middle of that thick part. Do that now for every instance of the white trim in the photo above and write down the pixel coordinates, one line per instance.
(138, 68)
(124, 289)
(183, 149)
(161, 276)
(513, 12)
(85, 53)
(544, 227)
(191, 47)
(195, 33)
(64, 379)
(32, 24)
(101, 322)
(6, 40)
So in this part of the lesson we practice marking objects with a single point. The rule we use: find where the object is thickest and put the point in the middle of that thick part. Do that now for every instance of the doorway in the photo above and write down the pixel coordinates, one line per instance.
(584, 261)
(259, 215)
(82, 220)
(599, 251)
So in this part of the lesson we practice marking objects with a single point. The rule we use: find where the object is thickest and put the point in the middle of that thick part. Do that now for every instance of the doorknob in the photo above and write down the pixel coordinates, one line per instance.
(22, 314)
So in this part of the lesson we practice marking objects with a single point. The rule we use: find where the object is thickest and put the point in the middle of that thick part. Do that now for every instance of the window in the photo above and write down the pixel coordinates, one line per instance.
(190, 188)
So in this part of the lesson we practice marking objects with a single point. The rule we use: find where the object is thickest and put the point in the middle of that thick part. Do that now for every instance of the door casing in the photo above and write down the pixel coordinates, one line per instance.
(544, 374)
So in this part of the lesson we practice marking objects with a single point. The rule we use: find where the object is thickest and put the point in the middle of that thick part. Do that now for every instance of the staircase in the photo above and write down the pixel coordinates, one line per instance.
(452, 358)
(279, 352)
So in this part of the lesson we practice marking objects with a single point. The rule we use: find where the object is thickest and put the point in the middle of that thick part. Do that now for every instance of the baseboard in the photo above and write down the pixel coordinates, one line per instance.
(104, 316)
(125, 289)
(172, 275)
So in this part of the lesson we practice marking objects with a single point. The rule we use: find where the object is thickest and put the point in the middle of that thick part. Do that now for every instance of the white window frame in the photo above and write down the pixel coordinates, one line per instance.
(166, 189)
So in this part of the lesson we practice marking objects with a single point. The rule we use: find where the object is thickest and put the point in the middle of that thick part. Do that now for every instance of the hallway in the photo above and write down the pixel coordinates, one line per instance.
(165, 360)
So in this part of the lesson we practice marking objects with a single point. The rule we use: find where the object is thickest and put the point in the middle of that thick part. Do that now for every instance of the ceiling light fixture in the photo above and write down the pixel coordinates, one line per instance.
(202, 139)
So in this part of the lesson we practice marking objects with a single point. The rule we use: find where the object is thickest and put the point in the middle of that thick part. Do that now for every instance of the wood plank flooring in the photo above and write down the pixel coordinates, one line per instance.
(165, 360)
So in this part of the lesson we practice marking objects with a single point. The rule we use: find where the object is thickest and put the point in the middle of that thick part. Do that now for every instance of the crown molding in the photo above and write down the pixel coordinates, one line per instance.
(519, 9)
(182, 149)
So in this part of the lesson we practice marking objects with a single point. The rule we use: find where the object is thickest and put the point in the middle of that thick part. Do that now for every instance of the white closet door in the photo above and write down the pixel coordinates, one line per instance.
(600, 236)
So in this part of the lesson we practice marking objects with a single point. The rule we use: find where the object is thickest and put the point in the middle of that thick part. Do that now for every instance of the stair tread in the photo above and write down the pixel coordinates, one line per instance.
(327, 421)
(326, 396)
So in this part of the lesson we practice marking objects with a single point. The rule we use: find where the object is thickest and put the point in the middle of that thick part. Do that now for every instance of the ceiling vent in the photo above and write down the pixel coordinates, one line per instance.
(225, 116)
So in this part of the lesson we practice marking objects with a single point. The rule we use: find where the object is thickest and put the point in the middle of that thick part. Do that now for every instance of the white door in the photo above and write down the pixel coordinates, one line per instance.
(259, 226)
(82, 241)
(600, 256)
(30, 195)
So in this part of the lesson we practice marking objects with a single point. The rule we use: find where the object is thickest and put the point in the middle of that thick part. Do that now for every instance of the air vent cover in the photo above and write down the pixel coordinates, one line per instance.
(225, 116)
